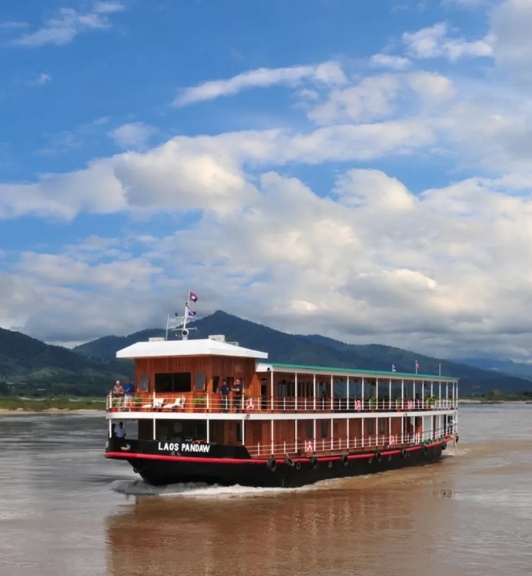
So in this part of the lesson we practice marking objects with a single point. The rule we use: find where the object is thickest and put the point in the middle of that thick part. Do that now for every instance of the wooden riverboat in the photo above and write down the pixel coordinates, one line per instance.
(293, 425)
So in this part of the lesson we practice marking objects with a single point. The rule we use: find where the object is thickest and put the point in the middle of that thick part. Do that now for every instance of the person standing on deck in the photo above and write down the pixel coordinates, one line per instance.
(237, 395)
(121, 432)
(224, 391)
(118, 393)
(128, 392)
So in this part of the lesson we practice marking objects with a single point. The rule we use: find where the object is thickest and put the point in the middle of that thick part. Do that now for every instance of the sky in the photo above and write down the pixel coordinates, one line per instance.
(356, 169)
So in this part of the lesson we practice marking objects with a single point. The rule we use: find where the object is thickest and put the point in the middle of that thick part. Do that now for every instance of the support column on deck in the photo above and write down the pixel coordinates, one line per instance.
(402, 393)
(332, 391)
(332, 434)
(347, 406)
(208, 423)
(314, 395)
(154, 430)
(314, 425)
(271, 389)
(390, 395)
(271, 431)
(295, 386)
(363, 407)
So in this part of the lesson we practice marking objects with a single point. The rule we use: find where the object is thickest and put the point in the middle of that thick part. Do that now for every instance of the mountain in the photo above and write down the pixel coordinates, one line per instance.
(505, 366)
(31, 364)
(317, 350)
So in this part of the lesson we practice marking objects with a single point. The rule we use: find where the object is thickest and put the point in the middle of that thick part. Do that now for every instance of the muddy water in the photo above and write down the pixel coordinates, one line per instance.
(66, 510)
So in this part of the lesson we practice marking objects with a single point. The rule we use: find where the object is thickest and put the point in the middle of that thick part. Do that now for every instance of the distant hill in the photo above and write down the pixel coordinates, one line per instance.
(30, 363)
(319, 351)
(509, 367)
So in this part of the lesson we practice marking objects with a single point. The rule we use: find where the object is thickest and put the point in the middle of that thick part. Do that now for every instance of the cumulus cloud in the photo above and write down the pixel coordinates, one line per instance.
(434, 42)
(327, 73)
(388, 61)
(132, 135)
(67, 24)
(40, 80)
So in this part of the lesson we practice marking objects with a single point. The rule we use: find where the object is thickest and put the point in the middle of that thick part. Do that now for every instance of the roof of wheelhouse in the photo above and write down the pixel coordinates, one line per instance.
(200, 347)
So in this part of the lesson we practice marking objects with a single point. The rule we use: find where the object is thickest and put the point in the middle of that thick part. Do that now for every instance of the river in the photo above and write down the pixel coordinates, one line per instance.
(65, 510)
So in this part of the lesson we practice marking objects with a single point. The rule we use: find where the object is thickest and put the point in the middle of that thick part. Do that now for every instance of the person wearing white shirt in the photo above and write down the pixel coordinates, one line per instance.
(121, 432)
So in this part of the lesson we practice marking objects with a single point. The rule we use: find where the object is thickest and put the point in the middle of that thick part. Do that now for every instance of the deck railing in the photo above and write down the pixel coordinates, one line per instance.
(328, 446)
(215, 403)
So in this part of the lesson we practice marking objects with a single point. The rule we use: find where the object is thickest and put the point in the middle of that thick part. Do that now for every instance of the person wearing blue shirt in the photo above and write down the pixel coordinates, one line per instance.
(129, 389)
(225, 391)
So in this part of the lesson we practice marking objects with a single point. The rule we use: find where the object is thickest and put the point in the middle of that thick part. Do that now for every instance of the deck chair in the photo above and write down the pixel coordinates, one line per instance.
(178, 404)
(157, 403)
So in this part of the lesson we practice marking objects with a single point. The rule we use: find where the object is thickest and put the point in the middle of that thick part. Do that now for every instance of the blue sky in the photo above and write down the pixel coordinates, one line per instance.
(352, 168)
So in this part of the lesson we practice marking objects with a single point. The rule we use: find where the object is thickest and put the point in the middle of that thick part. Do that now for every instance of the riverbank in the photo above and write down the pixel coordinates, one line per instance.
(15, 405)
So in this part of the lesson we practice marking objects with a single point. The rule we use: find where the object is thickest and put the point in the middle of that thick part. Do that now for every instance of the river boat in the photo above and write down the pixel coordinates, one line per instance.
(290, 426)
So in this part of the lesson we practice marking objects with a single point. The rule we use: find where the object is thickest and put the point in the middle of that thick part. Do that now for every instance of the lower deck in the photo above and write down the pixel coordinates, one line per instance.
(291, 437)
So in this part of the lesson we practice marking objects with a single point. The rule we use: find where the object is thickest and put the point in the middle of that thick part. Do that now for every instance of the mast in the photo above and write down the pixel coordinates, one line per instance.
(179, 323)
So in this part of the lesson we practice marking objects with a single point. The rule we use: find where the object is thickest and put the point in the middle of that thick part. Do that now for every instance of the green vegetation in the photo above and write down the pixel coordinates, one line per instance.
(41, 404)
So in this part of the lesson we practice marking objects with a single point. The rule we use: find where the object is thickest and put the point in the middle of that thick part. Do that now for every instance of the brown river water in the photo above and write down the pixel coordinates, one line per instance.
(65, 510)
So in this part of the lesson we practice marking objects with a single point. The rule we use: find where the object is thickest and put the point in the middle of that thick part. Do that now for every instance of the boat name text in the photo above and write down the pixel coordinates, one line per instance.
(184, 447)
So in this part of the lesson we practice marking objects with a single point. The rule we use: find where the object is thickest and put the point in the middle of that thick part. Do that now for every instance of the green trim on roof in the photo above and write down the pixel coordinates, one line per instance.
(410, 376)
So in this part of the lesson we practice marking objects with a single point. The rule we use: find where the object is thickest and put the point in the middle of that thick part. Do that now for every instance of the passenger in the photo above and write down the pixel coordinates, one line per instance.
(113, 430)
(121, 432)
(129, 389)
(224, 391)
(237, 395)
(118, 393)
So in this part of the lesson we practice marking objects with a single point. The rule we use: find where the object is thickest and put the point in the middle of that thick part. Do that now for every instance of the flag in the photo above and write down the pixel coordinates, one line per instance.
(417, 365)
(190, 314)
(192, 297)
(393, 367)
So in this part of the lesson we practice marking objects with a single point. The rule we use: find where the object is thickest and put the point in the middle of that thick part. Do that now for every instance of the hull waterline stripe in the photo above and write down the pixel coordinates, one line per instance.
(202, 460)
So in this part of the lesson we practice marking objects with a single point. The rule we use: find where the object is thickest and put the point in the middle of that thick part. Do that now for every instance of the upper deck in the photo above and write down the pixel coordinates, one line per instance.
(186, 377)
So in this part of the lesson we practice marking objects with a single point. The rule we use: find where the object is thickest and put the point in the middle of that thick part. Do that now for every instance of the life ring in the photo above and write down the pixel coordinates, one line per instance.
(298, 465)
(314, 463)
(378, 456)
(404, 453)
(249, 405)
(309, 447)
(370, 460)
(344, 459)
(358, 405)
(289, 461)
(272, 464)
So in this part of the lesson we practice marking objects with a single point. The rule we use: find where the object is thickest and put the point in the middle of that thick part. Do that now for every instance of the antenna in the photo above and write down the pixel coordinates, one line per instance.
(179, 323)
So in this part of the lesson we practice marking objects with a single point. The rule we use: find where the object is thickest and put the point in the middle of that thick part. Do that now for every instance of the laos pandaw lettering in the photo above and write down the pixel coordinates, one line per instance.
(184, 447)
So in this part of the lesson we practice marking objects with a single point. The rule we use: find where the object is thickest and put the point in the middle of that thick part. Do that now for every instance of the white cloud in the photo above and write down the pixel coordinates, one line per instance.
(41, 80)
(67, 24)
(326, 73)
(132, 135)
(434, 42)
(511, 29)
(377, 97)
(387, 61)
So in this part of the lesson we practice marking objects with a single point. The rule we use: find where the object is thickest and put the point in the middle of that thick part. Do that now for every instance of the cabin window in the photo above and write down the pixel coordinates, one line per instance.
(370, 426)
(281, 389)
(144, 383)
(324, 428)
(239, 432)
(309, 429)
(323, 389)
(215, 384)
(173, 382)
(382, 424)
(201, 380)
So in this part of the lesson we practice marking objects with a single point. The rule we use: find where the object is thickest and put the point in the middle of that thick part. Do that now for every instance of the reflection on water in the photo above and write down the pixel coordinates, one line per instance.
(64, 509)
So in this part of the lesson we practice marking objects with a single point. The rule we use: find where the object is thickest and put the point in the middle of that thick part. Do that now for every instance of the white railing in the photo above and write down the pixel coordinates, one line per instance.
(220, 404)
(313, 446)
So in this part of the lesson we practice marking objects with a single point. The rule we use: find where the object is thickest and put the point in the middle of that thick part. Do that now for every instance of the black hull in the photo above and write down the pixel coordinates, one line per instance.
(303, 471)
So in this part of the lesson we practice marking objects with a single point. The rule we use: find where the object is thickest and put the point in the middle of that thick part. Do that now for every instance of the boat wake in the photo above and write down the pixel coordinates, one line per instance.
(194, 489)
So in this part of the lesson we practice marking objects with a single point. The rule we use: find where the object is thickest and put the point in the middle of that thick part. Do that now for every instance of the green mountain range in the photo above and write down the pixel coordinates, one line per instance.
(318, 351)
(30, 365)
